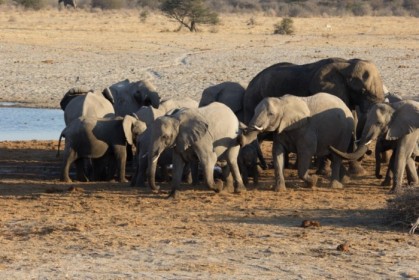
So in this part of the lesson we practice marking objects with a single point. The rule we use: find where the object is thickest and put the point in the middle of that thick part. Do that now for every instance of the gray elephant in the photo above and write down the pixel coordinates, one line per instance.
(228, 93)
(248, 162)
(306, 126)
(357, 82)
(147, 115)
(79, 102)
(128, 97)
(197, 134)
(95, 138)
(398, 122)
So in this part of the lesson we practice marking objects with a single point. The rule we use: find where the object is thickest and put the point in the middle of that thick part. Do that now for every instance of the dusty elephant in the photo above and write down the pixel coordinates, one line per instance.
(357, 82)
(67, 3)
(302, 125)
(398, 122)
(197, 133)
(128, 97)
(248, 162)
(94, 138)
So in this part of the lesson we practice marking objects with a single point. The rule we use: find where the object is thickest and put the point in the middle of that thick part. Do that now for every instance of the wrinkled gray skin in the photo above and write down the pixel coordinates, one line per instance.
(147, 115)
(197, 133)
(67, 3)
(357, 82)
(79, 102)
(94, 138)
(248, 162)
(303, 125)
(397, 122)
(128, 97)
(228, 93)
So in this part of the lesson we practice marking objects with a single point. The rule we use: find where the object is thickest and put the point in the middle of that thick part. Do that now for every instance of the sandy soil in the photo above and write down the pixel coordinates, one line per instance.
(51, 230)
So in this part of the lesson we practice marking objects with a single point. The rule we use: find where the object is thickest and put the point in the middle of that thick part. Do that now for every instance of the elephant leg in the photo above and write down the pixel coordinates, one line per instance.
(227, 178)
(69, 157)
(278, 154)
(260, 156)
(404, 150)
(120, 152)
(243, 170)
(139, 178)
(304, 160)
(195, 172)
(389, 173)
(323, 165)
(412, 175)
(208, 161)
(81, 170)
(336, 172)
(232, 155)
(255, 174)
(178, 166)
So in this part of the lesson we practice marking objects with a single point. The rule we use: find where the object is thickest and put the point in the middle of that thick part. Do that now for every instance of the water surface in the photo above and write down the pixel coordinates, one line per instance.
(30, 123)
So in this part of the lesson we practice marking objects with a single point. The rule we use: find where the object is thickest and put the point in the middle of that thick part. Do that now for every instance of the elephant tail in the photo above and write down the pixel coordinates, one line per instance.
(59, 142)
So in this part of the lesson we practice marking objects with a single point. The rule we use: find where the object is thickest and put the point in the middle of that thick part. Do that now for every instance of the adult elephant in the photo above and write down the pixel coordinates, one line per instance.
(78, 102)
(128, 97)
(357, 82)
(93, 138)
(228, 93)
(398, 122)
(66, 3)
(208, 133)
(303, 125)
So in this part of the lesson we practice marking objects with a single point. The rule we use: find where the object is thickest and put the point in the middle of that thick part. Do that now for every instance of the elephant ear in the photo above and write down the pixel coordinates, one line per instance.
(146, 94)
(127, 125)
(405, 120)
(295, 113)
(71, 93)
(107, 93)
(193, 127)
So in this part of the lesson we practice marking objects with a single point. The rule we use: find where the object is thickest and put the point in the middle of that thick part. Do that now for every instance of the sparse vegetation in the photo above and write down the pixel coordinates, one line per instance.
(285, 27)
(405, 207)
(108, 4)
(189, 13)
(32, 4)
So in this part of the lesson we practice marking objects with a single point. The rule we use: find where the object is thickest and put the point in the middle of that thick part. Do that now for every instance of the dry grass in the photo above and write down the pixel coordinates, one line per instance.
(405, 207)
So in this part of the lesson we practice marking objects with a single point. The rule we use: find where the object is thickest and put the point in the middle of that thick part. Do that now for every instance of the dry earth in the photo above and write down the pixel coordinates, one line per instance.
(51, 230)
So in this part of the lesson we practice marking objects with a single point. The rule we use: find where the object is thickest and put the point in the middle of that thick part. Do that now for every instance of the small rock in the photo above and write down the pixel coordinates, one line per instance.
(308, 223)
(343, 247)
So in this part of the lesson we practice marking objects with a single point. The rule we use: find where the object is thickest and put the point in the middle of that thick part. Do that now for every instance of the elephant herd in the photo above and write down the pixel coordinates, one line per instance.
(329, 109)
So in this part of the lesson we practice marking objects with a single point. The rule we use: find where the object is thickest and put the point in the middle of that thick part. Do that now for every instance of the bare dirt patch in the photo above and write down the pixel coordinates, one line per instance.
(53, 230)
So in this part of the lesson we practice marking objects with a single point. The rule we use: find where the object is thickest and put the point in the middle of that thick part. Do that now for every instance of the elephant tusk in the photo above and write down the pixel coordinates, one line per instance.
(369, 142)
(258, 127)
(156, 158)
(145, 155)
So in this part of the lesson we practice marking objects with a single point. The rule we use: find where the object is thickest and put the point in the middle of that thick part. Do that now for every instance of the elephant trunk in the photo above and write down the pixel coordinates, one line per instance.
(247, 137)
(350, 156)
(152, 166)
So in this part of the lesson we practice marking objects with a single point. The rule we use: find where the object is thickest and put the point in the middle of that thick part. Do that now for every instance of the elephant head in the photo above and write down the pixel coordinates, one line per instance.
(391, 121)
(180, 130)
(132, 127)
(72, 93)
(357, 82)
(130, 96)
(274, 114)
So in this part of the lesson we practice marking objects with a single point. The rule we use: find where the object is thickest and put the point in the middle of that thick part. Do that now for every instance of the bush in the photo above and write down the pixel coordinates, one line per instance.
(108, 4)
(404, 208)
(285, 27)
(32, 4)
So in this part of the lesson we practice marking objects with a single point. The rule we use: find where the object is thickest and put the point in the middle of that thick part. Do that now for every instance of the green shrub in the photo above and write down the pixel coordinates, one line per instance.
(285, 27)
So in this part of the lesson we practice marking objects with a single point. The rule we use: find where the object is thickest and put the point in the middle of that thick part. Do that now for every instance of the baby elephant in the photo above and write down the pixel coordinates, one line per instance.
(93, 138)
(248, 162)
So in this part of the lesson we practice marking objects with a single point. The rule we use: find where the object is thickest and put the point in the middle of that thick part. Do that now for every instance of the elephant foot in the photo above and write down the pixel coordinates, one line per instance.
(345, 179)
(240, 189)
(336, 185)
(386, 183)
(356, 169)
(312, 183)
(280, 188)
(396, 190)
(123, 180)
(66, 180)
(174, 194)
(218, 186)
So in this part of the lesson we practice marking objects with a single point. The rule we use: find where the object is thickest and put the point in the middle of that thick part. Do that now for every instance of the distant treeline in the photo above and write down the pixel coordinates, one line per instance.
(281, 8)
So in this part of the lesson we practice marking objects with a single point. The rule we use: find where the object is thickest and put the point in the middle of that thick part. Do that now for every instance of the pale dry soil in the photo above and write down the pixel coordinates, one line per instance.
(52, 230)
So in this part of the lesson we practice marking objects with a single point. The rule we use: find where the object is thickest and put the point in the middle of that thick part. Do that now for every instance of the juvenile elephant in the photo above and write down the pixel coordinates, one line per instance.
(398, 122)
(128, 97)
(147, 115)
(306, 126)
(208, 133)
(66, 3)
(357, 82)
(95, 138)
(248, 162)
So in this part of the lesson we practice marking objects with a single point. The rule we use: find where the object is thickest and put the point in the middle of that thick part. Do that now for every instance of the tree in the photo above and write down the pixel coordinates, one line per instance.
(189, 13)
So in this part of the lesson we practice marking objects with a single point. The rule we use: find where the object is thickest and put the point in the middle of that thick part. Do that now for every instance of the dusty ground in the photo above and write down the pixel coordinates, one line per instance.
(51, 230)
